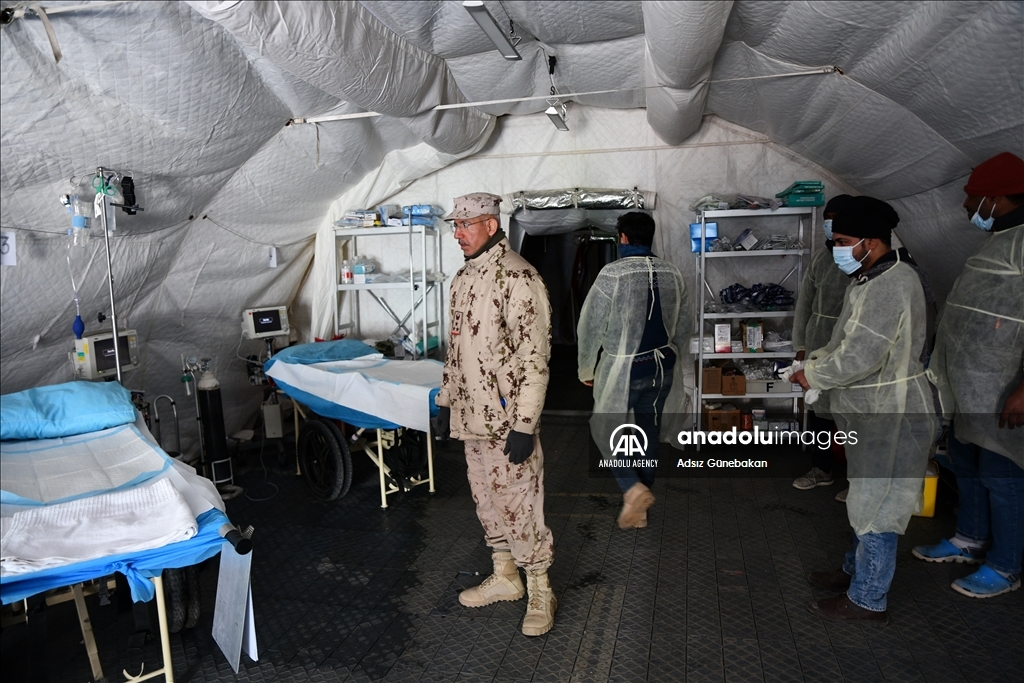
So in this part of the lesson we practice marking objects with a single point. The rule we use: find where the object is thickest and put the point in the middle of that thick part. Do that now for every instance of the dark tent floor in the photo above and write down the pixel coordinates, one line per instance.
(714, 589)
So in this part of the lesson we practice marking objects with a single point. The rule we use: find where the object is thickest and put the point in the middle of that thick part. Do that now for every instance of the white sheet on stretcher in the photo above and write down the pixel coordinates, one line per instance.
(149, 516)
(57, 470)
(34, 473)
(396, 391)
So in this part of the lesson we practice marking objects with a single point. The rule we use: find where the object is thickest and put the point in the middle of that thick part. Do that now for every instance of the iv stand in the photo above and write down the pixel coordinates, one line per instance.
(110, 283)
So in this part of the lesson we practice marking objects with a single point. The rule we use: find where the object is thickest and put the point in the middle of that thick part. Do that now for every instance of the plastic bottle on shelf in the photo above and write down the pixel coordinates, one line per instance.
(346, 272)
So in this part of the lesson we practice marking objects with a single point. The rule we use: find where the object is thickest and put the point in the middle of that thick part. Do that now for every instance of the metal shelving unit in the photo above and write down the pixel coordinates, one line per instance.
(425, 314)
(805, 218)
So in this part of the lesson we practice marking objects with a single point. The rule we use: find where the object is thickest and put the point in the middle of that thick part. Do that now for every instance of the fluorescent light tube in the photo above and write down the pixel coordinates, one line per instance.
(556, 118)
(489, 26)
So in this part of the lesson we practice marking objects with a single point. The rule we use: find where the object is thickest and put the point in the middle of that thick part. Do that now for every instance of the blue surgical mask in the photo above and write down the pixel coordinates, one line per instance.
(827, 227)
(983, 223)
(843, 256)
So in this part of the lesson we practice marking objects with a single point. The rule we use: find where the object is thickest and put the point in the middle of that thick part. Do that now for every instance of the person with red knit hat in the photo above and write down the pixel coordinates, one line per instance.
(978, 367)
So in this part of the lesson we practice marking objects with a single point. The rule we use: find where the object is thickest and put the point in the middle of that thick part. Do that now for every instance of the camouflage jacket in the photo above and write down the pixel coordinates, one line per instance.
(499, 344)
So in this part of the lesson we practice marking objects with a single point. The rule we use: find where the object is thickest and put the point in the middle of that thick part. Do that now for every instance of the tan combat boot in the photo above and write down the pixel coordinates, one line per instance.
(540, 610)
(635, 502)
(503, 584)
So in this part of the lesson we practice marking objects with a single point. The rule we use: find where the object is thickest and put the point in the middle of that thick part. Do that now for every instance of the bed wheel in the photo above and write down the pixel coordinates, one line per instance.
(326, 462)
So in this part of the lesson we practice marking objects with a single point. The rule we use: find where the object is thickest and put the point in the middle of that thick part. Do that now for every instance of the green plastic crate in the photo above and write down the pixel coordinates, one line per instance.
(816, 199)
(802, 187)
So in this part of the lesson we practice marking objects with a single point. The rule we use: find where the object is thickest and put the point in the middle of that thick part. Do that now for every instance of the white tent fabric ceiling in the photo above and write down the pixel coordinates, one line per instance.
(195, 100)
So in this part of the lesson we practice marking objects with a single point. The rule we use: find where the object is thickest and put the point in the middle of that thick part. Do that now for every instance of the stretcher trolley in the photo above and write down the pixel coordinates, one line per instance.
(349, 396)
(80, 507)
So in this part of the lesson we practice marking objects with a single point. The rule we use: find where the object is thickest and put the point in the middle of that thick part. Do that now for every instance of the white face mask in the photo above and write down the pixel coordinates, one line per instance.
(984, 223)
(827, 227)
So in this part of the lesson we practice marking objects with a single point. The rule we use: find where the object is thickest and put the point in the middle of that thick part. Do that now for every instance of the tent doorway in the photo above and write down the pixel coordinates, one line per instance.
(568, 262)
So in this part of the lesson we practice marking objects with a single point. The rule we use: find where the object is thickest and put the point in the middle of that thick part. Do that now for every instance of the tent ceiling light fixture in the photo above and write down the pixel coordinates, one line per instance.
(506, 45)
(556, 112)
(556, 108)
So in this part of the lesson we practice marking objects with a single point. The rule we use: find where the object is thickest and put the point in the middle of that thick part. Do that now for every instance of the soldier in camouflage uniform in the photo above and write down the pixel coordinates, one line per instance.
(492, 394)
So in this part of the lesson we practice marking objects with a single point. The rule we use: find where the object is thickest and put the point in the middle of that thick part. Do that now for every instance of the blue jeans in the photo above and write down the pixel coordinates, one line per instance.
(647, 400)
(871, 565)
(991, 490)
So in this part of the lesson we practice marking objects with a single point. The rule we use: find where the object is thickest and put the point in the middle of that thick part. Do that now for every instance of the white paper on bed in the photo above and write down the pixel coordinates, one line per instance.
(396, 391)
(198, 491)
(48, 470)
(149, 516)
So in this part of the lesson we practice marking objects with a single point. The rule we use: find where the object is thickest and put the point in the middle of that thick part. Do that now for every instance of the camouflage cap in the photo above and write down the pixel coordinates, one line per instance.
(473, 205)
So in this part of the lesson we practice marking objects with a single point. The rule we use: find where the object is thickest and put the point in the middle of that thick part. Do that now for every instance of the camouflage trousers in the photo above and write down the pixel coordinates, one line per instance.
(510, 502)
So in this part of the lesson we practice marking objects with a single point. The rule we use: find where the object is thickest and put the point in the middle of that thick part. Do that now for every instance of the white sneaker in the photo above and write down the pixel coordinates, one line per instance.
(814, 478)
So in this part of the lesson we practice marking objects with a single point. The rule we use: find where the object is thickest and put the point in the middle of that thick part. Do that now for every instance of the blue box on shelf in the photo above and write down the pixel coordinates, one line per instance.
(710, 235)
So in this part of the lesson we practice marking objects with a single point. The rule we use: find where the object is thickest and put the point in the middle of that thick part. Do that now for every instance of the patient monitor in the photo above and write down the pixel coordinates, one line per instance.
(269, 321)
(94, 354)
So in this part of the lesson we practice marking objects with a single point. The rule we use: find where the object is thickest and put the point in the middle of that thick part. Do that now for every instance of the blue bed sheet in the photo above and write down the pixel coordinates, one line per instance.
(137, 567)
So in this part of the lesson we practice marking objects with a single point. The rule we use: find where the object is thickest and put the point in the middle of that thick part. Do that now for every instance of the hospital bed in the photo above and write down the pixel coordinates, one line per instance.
(350, 382)
(86, 492)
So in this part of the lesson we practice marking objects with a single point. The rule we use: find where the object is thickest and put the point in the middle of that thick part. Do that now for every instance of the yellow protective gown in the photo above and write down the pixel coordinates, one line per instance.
(872, 372)
(979, 347)
(613, 319)
(818, 306)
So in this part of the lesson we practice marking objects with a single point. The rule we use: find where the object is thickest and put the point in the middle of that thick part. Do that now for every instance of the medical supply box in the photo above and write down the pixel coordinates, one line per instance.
(721, 419)
(712, 380)
(710, 235)
(734, 385)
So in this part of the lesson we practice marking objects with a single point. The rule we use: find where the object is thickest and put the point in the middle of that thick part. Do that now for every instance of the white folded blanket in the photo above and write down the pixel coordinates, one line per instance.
(149, 516)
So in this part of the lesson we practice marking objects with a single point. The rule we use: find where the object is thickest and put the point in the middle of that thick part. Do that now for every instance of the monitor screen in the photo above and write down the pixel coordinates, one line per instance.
(268, 320)
(104, 350)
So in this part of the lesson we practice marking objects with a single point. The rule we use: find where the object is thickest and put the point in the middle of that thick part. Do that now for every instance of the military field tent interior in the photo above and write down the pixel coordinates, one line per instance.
(248, 129)
(201, 103)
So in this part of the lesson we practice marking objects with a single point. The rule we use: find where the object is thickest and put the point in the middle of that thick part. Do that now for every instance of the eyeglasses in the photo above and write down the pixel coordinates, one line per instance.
(464, 225)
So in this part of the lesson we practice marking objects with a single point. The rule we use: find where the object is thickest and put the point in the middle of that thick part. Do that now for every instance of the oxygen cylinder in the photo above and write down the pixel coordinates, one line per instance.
(211, 415)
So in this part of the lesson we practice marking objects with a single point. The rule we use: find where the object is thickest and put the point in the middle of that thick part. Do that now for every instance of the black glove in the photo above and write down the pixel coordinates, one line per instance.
(518, 447)
(442, 423)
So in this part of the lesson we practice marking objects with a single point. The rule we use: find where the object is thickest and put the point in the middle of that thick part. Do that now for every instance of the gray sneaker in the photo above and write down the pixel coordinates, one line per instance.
(841, 496)
(814, 478)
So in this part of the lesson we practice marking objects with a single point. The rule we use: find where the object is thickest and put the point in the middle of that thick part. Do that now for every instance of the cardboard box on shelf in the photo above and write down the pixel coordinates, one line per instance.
(721, 420)
(734, 385)
(712, 380)
(752, 336)
(723, 338)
